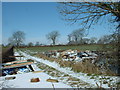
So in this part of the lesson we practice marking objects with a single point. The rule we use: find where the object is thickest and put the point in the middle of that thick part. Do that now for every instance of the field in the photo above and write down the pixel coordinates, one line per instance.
(96, 47)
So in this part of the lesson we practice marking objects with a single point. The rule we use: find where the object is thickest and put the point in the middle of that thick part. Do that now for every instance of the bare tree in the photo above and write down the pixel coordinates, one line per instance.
(17, 38)
(77, 35)
(30, 44)
(104, 39)
(86, 41)
(69, 38)
(37, 44)
(88, 13)
(53, 36)
(93, 40)
(114, 38)
(11, 41)
(107, 39)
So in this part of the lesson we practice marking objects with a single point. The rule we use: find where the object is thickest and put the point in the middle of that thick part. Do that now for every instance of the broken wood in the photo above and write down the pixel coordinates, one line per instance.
(35, 80)
(37, 71)
(52, 80)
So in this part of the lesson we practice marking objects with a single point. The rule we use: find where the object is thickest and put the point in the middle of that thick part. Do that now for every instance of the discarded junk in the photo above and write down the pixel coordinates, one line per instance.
(17, 67)
(35, 80)
(72, 55)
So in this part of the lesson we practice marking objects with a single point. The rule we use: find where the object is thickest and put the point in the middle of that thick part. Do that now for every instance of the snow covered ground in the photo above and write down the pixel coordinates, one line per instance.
(82, 76)
(23, 81)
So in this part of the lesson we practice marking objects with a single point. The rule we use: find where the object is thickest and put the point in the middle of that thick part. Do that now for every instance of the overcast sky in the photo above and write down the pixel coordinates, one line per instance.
(37, 19)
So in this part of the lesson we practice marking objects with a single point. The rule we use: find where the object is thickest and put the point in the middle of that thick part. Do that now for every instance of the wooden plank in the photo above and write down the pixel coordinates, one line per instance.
(37, 71)
(17, 65)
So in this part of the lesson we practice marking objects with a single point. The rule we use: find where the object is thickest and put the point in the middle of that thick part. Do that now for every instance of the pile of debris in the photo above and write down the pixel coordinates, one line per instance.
(17, 67)
(72, 55)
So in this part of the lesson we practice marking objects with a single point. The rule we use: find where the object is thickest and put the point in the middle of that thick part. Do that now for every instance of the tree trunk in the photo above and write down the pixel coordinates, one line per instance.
(53, 42)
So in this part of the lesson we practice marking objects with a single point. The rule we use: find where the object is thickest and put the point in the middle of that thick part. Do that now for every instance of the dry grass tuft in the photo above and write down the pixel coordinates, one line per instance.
(85, 67)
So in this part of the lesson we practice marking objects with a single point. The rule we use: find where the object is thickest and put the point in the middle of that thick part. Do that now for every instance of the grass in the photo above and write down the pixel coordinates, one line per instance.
(89, 74)
(92, 77)
(85, 67)
(95, 47)
(118, 83)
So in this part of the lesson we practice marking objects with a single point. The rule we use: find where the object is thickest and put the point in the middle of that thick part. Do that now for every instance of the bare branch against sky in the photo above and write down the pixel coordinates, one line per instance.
(89, 13)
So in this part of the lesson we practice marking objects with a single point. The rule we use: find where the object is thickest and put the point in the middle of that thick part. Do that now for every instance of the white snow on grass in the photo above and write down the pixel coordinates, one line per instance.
(81, 76)
(23, 81)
